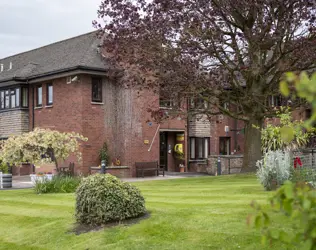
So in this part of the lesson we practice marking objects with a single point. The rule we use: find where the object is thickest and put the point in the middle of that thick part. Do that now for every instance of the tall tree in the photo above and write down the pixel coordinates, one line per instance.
(218, 50)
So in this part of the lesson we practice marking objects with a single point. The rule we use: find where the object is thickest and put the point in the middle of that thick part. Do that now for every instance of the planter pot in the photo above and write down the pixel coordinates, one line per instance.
(181, 170)
(7, 180)
(39, 178)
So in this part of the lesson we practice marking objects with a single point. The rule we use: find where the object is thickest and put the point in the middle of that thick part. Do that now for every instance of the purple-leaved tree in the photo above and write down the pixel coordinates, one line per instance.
(216, 50)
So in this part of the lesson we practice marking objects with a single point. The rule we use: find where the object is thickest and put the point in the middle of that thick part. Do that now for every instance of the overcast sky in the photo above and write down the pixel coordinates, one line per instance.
(28, 24)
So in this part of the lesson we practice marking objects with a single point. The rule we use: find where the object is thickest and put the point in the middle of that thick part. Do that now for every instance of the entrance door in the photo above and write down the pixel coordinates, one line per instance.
(163, 149)
(224, 145)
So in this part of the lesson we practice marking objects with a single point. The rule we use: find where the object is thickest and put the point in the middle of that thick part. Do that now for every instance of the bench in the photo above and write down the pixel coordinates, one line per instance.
(70, 170)
(142, 167)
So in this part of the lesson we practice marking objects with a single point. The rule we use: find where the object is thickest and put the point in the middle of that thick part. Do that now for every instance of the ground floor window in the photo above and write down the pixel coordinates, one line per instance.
(199, 147)
(224, 145)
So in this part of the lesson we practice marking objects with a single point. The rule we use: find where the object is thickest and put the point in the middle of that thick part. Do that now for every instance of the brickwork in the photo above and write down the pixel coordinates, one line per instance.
(122, 120)
(72, 110)
(199, 126)
(218, 124)
(14, 122)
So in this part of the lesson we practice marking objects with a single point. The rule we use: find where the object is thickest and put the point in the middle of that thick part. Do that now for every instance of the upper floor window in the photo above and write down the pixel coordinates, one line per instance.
(13, 98)
(168, 103)
(274, 101)
(25, 97)
(49, 94)
(97, 89)
(198, 103)
(39, 96)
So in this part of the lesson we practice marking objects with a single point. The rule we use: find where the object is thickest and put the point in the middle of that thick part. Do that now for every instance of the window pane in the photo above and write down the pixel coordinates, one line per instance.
(17, 100)
(2, 99)
(50, 94)
(7, 99)
(206, 148)
(24, 97)
(97, 89)
(12, 99)
(192, 148)
(200, 147)
(39, 96)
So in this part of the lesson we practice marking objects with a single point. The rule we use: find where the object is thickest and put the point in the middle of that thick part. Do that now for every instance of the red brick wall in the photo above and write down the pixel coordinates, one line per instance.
(72, 111)
(218, 124)
(122, 121)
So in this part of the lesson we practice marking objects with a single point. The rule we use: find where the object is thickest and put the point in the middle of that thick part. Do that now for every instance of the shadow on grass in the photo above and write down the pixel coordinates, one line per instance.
(82, 228)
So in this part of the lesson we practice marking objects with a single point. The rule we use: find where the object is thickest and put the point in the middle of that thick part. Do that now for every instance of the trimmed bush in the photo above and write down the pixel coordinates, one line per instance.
(59, 184)
(104, 198)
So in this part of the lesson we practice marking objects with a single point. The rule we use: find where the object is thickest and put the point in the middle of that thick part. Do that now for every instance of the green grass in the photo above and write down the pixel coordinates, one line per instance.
(191, 213)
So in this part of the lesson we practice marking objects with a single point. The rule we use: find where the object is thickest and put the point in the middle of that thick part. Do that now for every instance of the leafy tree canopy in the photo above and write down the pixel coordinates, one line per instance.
(220, 51)
(41, 146)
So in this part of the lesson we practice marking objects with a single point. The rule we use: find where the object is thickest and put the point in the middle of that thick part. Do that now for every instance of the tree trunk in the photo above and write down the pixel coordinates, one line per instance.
(252, 146)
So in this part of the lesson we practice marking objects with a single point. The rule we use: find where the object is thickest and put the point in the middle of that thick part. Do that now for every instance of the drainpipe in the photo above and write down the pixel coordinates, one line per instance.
(188, 137)
(235, 134)
(33, 108)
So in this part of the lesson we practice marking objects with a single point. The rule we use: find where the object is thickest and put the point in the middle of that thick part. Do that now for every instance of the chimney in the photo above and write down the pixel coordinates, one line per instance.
(10, 66)
(1, 67)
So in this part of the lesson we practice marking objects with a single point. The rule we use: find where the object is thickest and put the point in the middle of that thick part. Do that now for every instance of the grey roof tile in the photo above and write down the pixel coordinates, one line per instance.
(77, 51)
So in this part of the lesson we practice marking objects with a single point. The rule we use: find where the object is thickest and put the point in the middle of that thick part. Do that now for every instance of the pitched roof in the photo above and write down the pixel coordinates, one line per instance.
(80, 51)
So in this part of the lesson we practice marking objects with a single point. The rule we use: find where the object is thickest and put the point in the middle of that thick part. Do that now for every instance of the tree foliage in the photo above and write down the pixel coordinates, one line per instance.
(296, 202)
(41, 146)
(303, 86)
(218, 51)
(273, 137)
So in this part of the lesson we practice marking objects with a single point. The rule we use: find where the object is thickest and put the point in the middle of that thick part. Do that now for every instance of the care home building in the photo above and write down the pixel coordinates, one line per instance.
(66, 86)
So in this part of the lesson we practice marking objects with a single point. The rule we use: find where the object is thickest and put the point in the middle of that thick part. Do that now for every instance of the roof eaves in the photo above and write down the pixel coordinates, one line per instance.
(32, 77)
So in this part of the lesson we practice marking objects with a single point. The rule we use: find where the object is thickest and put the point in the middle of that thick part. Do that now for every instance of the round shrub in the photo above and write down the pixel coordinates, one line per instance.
(104, 198)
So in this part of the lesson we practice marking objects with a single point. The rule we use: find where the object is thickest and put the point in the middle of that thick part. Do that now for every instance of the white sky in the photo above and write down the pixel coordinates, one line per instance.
(28, 24)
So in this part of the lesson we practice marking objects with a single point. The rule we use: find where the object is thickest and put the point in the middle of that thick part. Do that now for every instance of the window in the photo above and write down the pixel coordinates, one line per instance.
(168, 103)
(167, 100)
(49, 94)
(198, 103)
(25, 97)
(224, 145)
(97, 89)
(11, 98)
(39, 96)
(2, 99)
(199, 147)
(225, 105)
(17, 97)
(274, 101)
(7, 99)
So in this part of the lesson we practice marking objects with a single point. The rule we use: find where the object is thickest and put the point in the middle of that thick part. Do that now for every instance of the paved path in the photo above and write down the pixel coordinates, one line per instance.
(20, 182)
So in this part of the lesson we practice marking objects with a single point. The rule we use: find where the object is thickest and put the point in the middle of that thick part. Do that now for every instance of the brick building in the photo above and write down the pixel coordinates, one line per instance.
(65, 86)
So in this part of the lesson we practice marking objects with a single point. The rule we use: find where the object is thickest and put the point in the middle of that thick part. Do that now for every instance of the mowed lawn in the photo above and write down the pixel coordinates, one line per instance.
(190, 213)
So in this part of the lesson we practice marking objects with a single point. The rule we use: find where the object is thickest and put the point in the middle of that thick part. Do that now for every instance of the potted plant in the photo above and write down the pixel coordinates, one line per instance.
(181, 160)
(104, 154)
(5, 175)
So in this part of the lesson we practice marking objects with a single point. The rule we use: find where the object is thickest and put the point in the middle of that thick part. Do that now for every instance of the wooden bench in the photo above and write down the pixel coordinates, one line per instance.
(70, 170)
(148, 166)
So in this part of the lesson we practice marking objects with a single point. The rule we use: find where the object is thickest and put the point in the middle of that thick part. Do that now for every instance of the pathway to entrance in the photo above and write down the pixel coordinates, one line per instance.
(20, 182)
